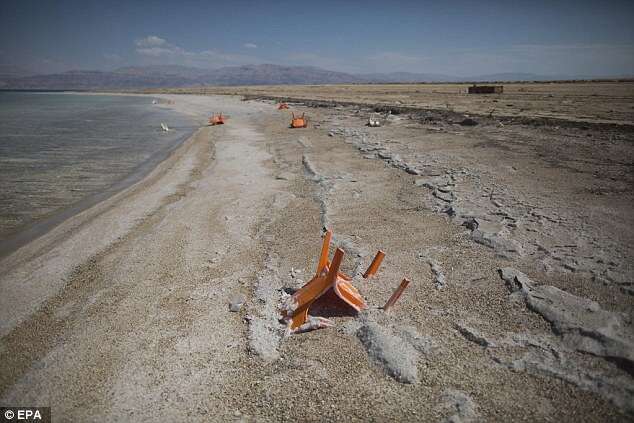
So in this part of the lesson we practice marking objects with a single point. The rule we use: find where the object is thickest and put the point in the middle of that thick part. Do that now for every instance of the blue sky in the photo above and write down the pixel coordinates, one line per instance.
(460, 38)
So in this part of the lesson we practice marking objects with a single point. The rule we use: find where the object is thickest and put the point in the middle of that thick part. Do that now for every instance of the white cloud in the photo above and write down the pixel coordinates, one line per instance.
(158, 50)
(150, 41)
(156, 47)
(555, 59)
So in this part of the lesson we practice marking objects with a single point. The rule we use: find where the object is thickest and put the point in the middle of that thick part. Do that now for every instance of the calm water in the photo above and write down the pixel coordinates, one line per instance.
(61, 150)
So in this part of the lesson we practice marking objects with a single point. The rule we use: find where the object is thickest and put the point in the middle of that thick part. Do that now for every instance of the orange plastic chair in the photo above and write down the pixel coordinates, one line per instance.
(299, 122)
(295, 310)
(216, 119)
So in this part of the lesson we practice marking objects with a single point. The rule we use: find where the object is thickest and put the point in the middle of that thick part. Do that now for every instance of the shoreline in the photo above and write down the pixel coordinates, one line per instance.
(34, 229)
(53, 255)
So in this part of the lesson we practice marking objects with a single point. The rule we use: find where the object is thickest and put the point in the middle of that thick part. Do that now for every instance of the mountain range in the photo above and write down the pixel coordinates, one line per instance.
(162, 76)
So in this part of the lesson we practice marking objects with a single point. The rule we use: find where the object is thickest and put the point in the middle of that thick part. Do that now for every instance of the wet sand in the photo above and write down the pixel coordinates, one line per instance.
(33, 230)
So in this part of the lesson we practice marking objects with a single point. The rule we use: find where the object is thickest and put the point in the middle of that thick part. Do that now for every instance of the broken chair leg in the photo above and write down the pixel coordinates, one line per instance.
(334, 266)
(396, 295)
(323, 258)
(374, 266)
(300, 317)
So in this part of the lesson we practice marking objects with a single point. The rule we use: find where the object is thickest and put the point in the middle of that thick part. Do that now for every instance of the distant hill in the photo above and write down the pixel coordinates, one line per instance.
(163, 70)
(161, 76)
(275, 75)
(406, 77)
(432, 77)
(179, 76)
(509, 76)
(87, 80)
(12, 71)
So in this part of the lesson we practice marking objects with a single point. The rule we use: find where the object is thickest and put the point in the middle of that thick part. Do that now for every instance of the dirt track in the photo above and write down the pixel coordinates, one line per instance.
(123, 312)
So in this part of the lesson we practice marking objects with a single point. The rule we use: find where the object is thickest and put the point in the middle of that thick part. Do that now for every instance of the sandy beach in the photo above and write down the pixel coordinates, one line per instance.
(517, 238)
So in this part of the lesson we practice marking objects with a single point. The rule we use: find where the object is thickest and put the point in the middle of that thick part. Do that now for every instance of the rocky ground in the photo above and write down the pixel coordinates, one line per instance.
(517, 239)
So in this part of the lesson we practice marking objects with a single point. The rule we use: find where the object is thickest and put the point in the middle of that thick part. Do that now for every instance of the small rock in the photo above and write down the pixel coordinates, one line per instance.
(447, 197)
(502, 246)
(461, 406)
(471, 224)
(468, 122)
(450, 211)
(439, 276)
(412, 171)
(424, 183)
(283, 177)
(236, 303)
(473, 335)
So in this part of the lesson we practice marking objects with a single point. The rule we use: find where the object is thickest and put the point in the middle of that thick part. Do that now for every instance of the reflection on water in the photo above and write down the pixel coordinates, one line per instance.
(57, 149)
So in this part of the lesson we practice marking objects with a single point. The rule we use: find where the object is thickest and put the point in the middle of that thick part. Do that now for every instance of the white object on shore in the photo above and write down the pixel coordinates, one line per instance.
(236, 303)
(164, 127)
(374, 121)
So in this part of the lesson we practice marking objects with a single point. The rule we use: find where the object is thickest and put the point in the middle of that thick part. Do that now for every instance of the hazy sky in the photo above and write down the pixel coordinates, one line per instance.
(460, 38)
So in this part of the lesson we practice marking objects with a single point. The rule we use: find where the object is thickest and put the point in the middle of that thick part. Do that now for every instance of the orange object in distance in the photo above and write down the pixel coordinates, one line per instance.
(216, 119)
(299, 122)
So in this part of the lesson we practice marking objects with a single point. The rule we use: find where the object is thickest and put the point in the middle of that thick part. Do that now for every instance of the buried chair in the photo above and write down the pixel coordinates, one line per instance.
(296, 307)
(216, 119)
(299, 122)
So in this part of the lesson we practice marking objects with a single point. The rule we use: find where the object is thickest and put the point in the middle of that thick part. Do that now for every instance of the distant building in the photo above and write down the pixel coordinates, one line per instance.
(486, 89)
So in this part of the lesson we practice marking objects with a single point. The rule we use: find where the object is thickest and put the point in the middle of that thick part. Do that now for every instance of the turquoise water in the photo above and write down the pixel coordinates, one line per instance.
(58, 150)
